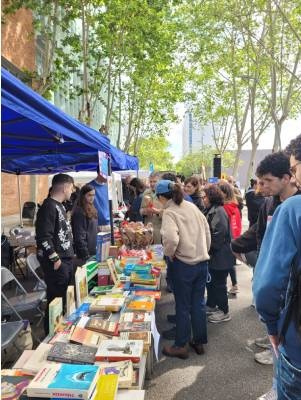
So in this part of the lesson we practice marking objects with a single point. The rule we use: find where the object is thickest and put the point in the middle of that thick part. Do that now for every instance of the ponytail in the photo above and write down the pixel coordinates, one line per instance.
(177, 194)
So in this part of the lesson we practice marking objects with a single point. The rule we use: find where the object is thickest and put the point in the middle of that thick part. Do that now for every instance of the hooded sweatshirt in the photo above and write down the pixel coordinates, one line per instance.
(233, 213)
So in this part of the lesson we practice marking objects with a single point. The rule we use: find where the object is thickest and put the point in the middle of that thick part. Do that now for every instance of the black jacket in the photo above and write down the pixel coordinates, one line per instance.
(221, 256)
(53, 231)
(196, 199)
(84, 234)
(254, 202)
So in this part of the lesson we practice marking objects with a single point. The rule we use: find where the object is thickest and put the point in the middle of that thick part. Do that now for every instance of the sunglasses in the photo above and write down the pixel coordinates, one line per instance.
(293, 169)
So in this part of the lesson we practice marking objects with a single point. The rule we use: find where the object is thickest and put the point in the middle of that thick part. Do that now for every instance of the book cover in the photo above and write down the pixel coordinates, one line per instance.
(106, 387)
(37, 359)
(14, 387)
(25, 356)
(106, 303)
(85, 336)
(154, 293)
(72, 353)
(119, 350)
(106, 327)
(62, 337)
(101, 289)
(134, 326)
(64, 381)
(70, 300)
(145, 336)
(81, 285)
(55, 315)
(123, 368)
(135, 317)
(136, 305)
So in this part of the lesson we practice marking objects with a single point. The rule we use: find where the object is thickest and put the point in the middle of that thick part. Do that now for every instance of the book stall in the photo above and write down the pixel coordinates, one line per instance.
(106, 344)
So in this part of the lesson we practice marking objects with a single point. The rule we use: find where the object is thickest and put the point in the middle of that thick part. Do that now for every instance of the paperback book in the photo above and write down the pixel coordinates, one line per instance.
(145, 336)
(106, 327)
(141, 303)
(55, 315)
(107, 303)
(37, 358)
(81, 285)
(101, 290)
(134, 326)
(72, 353)
(87, 337)
(119, 350)
(64, 381)
(70, 300)
(135, 317)
(124, 369)
(106, 387)
(14, 387)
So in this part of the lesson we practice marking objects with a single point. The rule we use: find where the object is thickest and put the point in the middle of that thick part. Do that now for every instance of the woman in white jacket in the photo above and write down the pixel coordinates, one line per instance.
(186, 241)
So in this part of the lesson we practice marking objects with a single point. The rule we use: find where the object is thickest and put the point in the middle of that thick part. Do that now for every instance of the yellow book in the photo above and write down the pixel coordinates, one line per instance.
(106, 387)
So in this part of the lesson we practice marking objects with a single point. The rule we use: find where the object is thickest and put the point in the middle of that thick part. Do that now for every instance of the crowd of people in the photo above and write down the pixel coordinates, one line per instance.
(200, 227)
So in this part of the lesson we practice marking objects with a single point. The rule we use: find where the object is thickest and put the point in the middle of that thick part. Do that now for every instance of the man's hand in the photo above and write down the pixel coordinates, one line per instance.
(275, 343)
(57, 265)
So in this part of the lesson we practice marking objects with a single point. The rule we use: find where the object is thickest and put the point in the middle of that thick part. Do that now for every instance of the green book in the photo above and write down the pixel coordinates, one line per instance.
(101, 289)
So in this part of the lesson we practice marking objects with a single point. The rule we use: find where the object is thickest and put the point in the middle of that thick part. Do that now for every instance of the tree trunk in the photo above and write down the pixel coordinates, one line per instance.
(237, 159)
(277, 137)
(251, 168)
(119, 112)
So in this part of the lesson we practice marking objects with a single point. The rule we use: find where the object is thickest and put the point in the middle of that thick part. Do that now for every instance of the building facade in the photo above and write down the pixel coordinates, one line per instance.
(195, 136)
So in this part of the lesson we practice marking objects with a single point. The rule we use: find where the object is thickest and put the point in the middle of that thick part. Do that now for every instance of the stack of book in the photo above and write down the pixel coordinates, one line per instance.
(112, 302)
(146, 281)
(120, 350)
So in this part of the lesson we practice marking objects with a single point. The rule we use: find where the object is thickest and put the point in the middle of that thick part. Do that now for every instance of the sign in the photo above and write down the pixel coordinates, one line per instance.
(103, 164)
(214, 179)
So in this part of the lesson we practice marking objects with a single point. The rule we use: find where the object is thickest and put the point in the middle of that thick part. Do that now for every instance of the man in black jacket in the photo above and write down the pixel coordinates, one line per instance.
(55, 242)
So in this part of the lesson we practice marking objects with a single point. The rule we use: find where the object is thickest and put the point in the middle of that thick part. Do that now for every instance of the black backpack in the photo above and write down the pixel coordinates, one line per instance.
(6, 252)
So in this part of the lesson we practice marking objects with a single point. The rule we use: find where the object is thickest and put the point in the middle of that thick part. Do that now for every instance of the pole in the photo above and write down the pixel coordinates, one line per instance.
(20, 205)
(111, 205)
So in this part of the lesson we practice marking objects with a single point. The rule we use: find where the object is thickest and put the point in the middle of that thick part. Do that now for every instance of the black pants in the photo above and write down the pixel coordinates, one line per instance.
(217, 290)
(57, 282)
(233, 276)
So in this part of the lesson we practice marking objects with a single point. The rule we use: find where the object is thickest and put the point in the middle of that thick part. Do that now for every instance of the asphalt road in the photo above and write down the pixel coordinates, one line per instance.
(227, 370)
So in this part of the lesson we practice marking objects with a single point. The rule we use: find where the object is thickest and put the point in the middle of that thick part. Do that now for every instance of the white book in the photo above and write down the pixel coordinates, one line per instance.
(119, 350)
(25, 356)
(37, 359)
(64, 381)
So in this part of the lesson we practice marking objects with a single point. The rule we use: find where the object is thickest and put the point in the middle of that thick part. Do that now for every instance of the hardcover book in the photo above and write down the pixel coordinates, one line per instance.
(72, 353)
(123, 368)
(106, 327)
(64, 381)
(85, 336)
(119, 350)
(134, 326)
(106, 387)
(55, 315)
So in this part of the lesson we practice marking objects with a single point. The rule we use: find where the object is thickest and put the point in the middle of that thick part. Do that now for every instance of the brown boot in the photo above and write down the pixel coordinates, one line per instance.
(174, 351)
(199, 348)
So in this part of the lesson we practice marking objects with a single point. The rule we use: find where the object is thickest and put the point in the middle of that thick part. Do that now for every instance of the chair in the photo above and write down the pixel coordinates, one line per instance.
(33, 264)
(22, 302)
(9, 332)
(29, 210)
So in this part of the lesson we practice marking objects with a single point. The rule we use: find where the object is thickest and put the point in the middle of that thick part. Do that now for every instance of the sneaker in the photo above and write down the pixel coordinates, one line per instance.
(233, 290)
(265, 357)
(263, 342)
(210, 310)
(219, 316)
(270, 395)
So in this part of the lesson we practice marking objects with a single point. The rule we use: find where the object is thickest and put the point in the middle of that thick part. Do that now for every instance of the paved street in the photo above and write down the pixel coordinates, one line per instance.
(227, 371)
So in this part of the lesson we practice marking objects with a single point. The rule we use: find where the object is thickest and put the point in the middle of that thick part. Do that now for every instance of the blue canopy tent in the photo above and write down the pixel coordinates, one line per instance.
(39, 138)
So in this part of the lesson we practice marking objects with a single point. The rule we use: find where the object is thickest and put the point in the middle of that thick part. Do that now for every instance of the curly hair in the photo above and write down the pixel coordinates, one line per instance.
(214, 194)
(294, 148)
(276, 164)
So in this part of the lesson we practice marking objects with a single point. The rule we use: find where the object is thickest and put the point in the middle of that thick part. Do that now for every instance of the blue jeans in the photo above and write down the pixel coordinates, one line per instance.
(288, 380)
(189, 283)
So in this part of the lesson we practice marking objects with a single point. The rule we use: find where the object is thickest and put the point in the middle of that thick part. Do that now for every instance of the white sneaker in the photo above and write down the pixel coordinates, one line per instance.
(265, 357)
(263, 342)
(219, 316)
(270, 395)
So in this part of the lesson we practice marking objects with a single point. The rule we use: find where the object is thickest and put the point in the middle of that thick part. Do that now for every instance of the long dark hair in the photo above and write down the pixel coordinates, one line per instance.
(175, 193)
(89, 209)
(214, 195)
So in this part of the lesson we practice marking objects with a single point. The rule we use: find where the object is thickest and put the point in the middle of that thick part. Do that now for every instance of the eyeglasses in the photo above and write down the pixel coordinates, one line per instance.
(293, 169)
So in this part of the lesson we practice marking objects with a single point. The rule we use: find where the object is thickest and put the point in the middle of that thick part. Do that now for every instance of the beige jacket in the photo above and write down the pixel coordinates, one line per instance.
(185, 233)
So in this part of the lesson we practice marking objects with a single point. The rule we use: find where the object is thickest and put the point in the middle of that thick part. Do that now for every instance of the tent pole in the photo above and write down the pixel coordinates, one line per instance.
(20, 207)
(111, 205)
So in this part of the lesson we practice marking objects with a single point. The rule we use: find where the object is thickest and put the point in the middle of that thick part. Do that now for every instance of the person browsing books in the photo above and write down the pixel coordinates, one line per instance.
(55, 242)
(84, 224)
(186, 241)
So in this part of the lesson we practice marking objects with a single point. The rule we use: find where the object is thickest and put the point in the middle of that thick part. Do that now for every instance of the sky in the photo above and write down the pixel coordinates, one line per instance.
(291, 128)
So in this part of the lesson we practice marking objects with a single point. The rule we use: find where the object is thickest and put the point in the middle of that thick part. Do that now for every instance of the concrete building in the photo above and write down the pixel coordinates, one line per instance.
(194, 136)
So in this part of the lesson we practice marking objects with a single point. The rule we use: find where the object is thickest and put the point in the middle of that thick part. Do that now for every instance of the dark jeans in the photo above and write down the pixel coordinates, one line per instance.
(288, 380)
(57, 283)
(168, 273)
(217, 290)
(233, 275)
(189, 283)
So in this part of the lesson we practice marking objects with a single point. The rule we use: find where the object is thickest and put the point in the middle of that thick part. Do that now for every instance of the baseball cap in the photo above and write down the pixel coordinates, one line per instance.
(164, 186)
